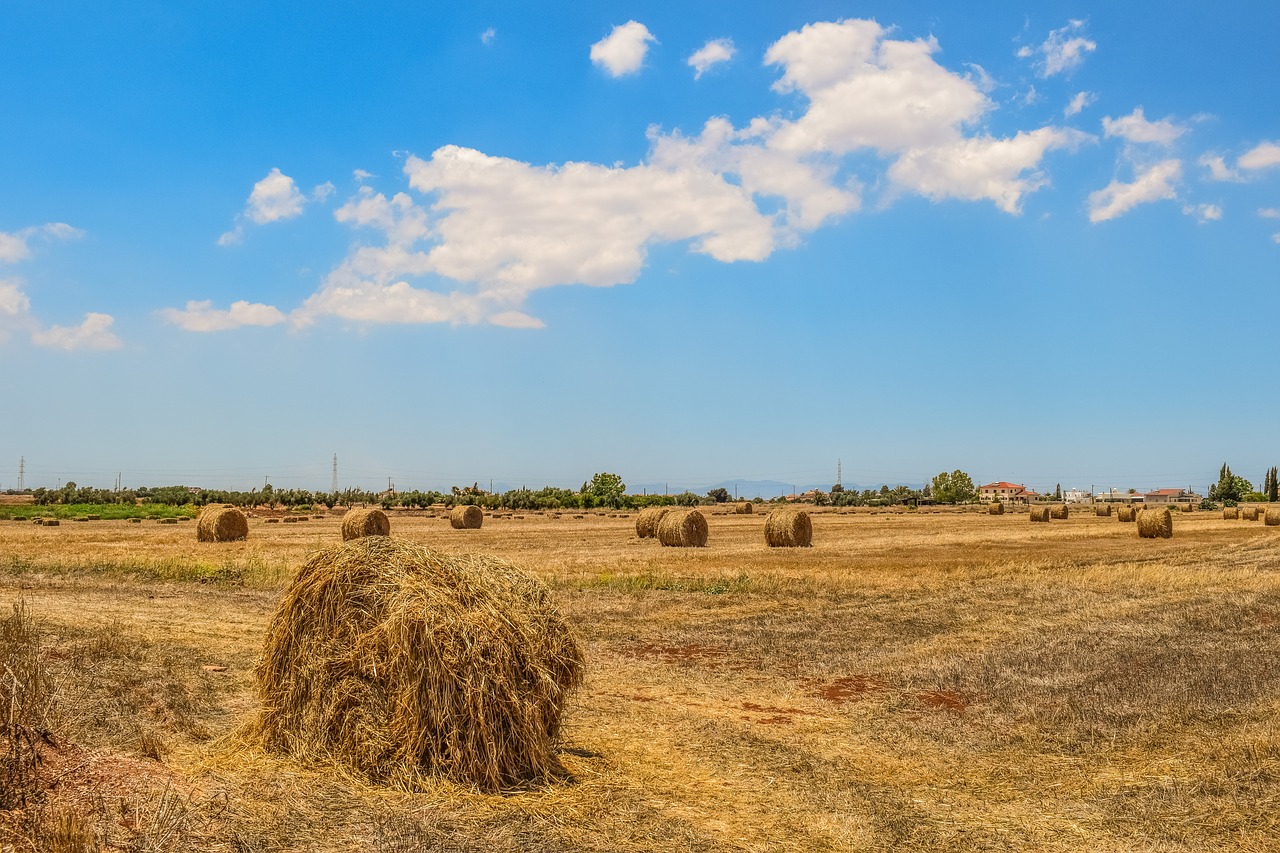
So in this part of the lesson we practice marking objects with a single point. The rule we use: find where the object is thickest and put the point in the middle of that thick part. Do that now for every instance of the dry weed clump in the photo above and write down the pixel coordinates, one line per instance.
(222, 524)
(468, 517)
(1156, 523)
(398, 661)
(1059, 512)
(996, 508)
(788, 527)
(683, 528)
(1040, 513)
(369, 521)
(647, 521)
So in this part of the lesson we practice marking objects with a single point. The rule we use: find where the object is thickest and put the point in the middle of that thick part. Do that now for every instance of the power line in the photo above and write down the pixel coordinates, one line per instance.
(334, 487)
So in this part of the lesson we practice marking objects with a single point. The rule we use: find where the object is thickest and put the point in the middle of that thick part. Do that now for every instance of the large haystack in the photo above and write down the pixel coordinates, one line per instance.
(1059, 512)
(1249, 513)
(1155, 523)
(1102, 510)
(996, 508)
(398, 661)
(744, 508)
(1127, 513)
(468, 517)
(222, 524)
(1231, 513)
(788, 527)
(1040, 513)
(369, 521)
(683, 528)
(647, 521)
(1272, 518)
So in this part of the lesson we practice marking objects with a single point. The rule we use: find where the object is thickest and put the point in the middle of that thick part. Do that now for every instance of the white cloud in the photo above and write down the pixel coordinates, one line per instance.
(203, 317)
(92, 334)
(274, 198)
(361, 175)
(1078, 102)
(1064, 50)
(1263, 156)
(16, 245)
(1218, 168)
(1269, 212)
(488, 36)
(1154, 184)
(15, 309)
(1203, 212)
(1275, 238)
(1135, 128)
(623, 50)
(712, 53)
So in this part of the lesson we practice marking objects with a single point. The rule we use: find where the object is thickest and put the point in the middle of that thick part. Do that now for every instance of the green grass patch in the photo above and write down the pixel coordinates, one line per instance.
(647, 581)
(107, 512)
(253, 573)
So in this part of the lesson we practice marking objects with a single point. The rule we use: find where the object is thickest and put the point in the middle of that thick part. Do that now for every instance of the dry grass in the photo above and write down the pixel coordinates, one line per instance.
(943, 682)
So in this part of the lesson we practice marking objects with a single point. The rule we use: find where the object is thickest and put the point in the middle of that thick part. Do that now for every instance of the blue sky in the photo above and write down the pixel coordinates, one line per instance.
(682, 242)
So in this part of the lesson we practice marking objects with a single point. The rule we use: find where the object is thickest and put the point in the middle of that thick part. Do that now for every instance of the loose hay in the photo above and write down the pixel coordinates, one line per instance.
(1040, 513)
(647, 521)
(1102, 510)
(788, 527)
(1155, 523)
(222, 524)
(1059, 512)
(1231, 513)
(1127, 513)
(744, 508)
(996, 508)
(468, 517)
(1272, 518)
(398, 662)
(365, 522)
(683, 528)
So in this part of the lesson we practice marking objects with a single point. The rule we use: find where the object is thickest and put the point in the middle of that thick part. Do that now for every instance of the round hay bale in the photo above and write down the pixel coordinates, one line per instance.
(170, 521)
(788, 527)
(1127, 513)
(1155, 523)
(365, 522)
(1188, 508)
(1102, 510)
(1272, 518)
(270, 521)
(683, 528)
(647, 521)
(400, 662)
(1231, 513)
(289, 519)
(468, 517)
(135, 521)
(1040, 513)
(53, 522)
(222, 524)
(996, 508)
(744, 508)
(1249, 513)
(1059, 512)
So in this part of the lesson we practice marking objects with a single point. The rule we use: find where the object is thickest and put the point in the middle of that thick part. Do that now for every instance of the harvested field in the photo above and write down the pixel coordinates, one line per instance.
(955, 681)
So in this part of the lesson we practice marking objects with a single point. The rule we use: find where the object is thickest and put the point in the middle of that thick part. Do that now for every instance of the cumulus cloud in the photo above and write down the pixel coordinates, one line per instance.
(1078, 102)
(94, 333)
(1218, 168)
(1156, 183)
(1135, 128)
(623, 51)
(1063, 51)
(272, 199)
(16, 245)
(1263, 156)
(712, 53)
(203, 317)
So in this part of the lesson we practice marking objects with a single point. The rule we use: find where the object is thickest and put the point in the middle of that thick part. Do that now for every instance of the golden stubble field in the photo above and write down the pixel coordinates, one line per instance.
(915, 681)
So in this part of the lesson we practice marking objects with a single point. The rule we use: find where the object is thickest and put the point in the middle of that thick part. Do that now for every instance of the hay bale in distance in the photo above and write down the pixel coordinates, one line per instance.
(1127, 513)
(468, 517)
(53, 522)
(222, 524)
(647, 521)
(399, 662)
(1059, 512)
(1040, 513)
(369, 521)
(996, 508)
(1231, 513)
(1249, 513)
(1188, 508)
(1155, 523)
(683, 528)
(169, 521)
(744, 508)
(788, 527)
(1102, 510)
(1272, 518)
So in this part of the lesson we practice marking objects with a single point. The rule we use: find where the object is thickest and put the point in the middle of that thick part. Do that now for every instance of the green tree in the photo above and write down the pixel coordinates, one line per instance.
(1057, 492)
(1272, 487)
(606, 489)
(1229, 487)
(956, 487)
(720, 495)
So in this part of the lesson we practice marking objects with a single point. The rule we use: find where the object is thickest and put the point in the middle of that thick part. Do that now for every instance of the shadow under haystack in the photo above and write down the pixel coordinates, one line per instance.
(399, 661)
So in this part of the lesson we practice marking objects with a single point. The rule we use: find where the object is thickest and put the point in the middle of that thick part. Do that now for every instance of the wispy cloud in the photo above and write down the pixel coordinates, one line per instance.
(1137, 129)
(1153, 184)
(1063, 51)
(488, 36)
(201, 316)
(623, 51)
(1078, 102)
(16, 245)
(711, 54)
(92, 334)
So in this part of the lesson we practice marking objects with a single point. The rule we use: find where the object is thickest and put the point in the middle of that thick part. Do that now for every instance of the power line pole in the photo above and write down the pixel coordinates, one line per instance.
(838, 472)
(334, 485)
(22, 474)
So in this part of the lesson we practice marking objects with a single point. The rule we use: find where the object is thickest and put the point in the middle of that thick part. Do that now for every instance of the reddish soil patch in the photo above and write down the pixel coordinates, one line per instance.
(847, 689)
(944, 700)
